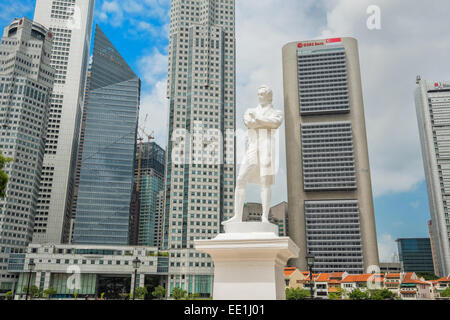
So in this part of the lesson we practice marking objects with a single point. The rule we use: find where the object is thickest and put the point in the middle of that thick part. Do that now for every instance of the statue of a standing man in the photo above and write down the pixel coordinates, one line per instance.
(258, 165)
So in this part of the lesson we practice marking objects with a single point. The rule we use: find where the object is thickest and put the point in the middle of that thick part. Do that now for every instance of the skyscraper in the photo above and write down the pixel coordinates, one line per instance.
(26, 83)
(330, 199)
(70, 22)
(433, 110)
(151, 184)
(107, 165)
(279, 213)
(199, 168)
(415, 255)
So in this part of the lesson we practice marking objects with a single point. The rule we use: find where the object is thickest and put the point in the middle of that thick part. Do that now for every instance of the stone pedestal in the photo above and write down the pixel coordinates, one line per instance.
(249, 261)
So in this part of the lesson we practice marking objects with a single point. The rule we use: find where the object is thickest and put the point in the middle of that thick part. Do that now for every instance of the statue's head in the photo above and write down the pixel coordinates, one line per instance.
(264, 95)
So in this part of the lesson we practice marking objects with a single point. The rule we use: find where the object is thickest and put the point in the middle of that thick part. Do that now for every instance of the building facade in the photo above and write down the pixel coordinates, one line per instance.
(433, 247)
(432, 107)
(279, 215)
(150, 185)
(70, 22)
(26, 84)
(330, 198)
(107, 166)
(90, 270)
(252, 212)
(200, 170)
(415, 255)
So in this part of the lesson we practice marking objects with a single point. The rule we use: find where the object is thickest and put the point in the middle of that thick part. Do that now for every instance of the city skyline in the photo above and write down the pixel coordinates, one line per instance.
(401, 211)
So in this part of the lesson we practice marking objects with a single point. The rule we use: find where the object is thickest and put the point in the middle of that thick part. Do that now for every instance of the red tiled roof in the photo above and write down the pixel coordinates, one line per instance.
(444, 279)
(393, 275)
(361, 278)
(337, 275)
(407, 291)
(412, 281)
(333, 281)
(289, 271)
(323, 277)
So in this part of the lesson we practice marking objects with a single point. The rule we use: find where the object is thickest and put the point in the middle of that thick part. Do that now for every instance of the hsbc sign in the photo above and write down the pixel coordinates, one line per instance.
(318, 43)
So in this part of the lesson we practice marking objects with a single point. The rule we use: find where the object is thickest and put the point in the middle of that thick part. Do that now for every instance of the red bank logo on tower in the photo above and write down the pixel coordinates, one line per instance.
(318, 43)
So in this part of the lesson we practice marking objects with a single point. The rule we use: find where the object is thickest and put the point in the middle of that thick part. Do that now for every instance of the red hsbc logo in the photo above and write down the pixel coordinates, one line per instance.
(310, 44)
(318, 43)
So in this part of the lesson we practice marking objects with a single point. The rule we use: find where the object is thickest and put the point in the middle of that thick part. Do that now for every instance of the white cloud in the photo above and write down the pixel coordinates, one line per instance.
(409, 43)
(155, 105)
(387, 248)
(153, 67)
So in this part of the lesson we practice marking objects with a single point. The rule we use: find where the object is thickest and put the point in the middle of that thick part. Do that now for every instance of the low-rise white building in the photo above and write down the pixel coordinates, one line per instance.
(89, 270)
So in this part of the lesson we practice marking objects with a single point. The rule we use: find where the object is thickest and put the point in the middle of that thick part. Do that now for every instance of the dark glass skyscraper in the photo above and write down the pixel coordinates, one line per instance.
(107, 166)
(415, 255)
(151, 183)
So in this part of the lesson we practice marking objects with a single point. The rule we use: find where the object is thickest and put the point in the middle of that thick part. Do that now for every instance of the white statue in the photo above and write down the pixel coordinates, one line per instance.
(258, 165)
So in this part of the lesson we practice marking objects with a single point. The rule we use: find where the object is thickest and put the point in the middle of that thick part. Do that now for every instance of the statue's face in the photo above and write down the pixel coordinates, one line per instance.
(264, 95)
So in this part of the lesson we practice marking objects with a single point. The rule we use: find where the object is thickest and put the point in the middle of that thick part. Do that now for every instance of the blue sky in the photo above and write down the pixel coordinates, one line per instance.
(406, 45)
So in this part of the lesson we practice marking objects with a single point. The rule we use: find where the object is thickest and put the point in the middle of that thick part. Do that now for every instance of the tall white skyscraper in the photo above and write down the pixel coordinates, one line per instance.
(70, 21)
(26, 83)
(433, 114)
(330, 199)
(199, 168)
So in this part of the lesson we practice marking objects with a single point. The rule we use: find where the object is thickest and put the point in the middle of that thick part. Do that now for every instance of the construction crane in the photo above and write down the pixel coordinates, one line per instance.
(141, 133)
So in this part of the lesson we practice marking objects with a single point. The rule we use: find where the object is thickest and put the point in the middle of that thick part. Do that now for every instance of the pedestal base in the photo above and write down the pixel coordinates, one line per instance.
(249, 261)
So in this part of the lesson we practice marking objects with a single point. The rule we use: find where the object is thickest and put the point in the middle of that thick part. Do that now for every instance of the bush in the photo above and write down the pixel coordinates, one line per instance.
(159, 292)
(8, 295)
(297, 294)
(178, 293)
(357, 294)
(141, 292)
(445, 293)
(49, 292)
(384, 294)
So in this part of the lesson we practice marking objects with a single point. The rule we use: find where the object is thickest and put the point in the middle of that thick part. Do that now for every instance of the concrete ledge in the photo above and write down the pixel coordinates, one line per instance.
(251, 227)
(249, 266)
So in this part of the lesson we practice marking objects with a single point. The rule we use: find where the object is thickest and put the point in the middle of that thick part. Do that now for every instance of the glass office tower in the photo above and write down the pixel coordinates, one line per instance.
(151, 184)
(415, 255)
(107, 166)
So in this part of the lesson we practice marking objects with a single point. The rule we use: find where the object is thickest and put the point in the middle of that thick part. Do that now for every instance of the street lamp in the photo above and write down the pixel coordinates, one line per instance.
(310, 263)
(31, 266)
(136, 266)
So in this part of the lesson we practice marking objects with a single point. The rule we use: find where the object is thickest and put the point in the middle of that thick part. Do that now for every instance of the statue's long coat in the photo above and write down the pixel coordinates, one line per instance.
(261, 151)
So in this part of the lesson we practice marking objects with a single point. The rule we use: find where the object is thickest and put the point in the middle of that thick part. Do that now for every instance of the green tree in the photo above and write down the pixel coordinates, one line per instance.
(3, 176)
(49, 292)
(336, 295)
(178, 293)
(34, 291)
(427, 276)
(194, 296)
(159, 292)
(297, 294)
(141, 292)
(8, 295)
(445, 293)
(357, 294)
(384, 294)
